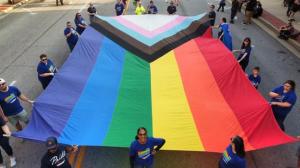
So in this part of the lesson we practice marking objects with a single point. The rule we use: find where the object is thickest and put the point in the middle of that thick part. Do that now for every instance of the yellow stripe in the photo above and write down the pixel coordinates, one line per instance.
(171, 116)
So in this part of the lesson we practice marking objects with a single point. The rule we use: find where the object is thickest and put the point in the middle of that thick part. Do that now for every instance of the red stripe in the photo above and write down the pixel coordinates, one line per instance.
(215, 120)
(250, 108)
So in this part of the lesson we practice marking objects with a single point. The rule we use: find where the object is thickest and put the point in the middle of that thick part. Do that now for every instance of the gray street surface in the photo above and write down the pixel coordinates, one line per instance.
(38, 27)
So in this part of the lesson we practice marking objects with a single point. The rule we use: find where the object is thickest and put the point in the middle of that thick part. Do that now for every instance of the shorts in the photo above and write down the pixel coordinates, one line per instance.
(22, 116)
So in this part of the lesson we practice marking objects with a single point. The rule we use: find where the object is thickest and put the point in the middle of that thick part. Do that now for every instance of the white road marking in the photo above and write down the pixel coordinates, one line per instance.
(13, 83)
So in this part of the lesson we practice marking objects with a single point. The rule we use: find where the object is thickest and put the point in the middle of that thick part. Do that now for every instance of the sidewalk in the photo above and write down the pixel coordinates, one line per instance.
(274, 16)
(6, 7)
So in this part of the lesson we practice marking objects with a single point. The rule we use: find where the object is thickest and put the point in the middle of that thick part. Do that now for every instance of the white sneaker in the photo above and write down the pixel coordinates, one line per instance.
(13, 162)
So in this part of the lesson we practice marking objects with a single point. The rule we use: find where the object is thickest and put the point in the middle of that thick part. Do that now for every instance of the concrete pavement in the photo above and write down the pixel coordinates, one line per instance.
(38, 28)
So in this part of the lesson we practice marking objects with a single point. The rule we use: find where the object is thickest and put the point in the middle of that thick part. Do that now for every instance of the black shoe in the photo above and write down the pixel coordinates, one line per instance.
(232, 22)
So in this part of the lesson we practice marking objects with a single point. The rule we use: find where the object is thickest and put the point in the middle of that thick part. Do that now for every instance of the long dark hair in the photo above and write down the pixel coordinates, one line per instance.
(292, 83)
(138, 130)
(249, 44)
(239, 146)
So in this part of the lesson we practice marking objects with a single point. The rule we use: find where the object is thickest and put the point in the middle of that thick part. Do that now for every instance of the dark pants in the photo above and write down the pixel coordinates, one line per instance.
(61, 2)
(280, 121)
(233, 14)
(221, 6)
(71, 46)
(244, 65)
(4, 143)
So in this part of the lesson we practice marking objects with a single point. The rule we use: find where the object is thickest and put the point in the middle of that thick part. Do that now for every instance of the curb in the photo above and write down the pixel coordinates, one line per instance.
(15, 6)
(292, 45)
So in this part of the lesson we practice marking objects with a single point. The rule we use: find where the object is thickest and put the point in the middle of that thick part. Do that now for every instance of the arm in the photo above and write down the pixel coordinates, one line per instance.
(47, 74)
(273, 94)
(245, 54)
(24, 98)
(71, 149)
(6, 130)
(160, 145)
(281, 104)
(2, 115)
(69, 34)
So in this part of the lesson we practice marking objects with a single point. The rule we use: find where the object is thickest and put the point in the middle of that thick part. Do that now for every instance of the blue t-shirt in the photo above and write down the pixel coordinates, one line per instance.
(289, 97)
(77, 22)
(119, 7)
(255, 81)
(231, 160)
(152, 9)
(245, 50)
(43, 68)
(73, 38)
(142, 152)
(9, 101)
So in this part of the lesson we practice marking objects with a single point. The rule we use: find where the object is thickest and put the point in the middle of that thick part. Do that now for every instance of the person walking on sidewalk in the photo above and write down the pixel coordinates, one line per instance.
(143, 149)
(234, 9)
(249, 11)
(4, 143)
(46, 70)
(61, 2)
(56, 156)
(245, 52)
(234, 155)
(212, 15)
(283, 98)
(222, 4)
(10, 107)
(71, 35)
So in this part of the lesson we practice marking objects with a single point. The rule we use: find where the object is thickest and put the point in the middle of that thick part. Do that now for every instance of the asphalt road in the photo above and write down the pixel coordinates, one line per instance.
(38, 28)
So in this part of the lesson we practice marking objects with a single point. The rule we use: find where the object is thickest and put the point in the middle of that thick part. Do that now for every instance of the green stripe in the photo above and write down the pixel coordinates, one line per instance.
(133, 107)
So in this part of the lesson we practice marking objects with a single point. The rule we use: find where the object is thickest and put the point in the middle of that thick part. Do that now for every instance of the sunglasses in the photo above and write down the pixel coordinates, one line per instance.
(45, 59)
(3, 84)
(144, 134)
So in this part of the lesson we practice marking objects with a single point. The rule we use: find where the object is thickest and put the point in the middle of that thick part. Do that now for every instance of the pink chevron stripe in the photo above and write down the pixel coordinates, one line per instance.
(147, 33)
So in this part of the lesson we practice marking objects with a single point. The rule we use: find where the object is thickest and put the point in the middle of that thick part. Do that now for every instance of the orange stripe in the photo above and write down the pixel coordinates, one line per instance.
(80, 157)
(209, 108)
(72, 158)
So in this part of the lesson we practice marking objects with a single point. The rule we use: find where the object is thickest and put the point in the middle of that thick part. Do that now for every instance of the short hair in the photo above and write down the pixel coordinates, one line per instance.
(256, 68)
(43, 56)
(68, 22)
(212, 6)
(224, 20)
(292, 83)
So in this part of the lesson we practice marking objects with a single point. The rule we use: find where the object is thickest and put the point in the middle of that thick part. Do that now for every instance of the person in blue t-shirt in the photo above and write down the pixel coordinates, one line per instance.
(119, 8)
(255, 78)
(71, 35)
(80, 23)
(245, 52)
(46, 70)
(143, 149)
(151, 9)
(11, 108)
(283, 98)
(234, 155)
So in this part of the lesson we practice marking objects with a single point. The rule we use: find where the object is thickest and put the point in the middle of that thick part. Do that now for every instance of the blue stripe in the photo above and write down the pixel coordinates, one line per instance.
(151, 41)
(92, 115)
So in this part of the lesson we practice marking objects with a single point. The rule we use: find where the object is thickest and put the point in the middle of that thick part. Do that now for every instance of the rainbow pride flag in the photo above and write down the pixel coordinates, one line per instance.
(165, 73)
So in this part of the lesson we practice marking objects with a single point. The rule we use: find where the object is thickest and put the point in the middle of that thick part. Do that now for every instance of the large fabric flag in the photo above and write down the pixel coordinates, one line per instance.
(165, 73)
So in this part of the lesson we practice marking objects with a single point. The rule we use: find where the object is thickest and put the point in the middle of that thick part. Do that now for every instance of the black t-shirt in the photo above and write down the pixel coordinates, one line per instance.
(171, 9)
(92, 10)
(57, 159)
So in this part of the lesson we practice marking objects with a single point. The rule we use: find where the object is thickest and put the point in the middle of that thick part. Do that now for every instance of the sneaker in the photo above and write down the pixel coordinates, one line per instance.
(2, 166)
(13, 161)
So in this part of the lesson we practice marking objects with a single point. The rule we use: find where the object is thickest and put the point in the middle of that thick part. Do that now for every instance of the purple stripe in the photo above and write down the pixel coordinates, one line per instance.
(60, 97)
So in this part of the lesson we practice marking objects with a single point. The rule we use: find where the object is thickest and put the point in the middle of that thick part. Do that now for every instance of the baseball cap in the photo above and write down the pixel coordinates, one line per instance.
(2, 81)
(51, 143)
